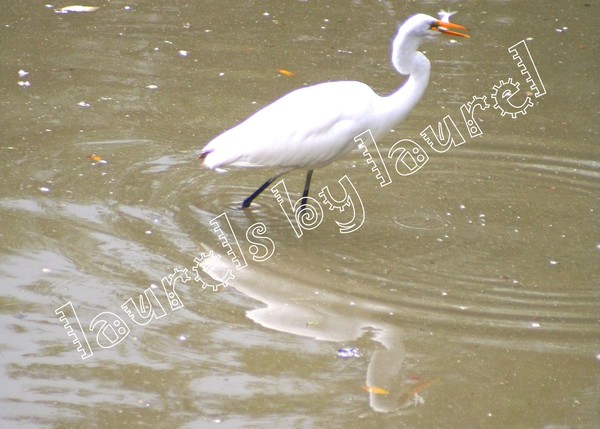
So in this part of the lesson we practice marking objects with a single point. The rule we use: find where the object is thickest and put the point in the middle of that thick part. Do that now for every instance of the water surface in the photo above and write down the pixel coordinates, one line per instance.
(470, 289)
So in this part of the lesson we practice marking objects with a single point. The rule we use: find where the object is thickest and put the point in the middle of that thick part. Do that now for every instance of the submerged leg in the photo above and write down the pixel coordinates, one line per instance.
(306, 188)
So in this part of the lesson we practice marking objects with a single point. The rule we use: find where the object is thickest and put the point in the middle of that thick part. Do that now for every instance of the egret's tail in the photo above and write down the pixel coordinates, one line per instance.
(215, 155)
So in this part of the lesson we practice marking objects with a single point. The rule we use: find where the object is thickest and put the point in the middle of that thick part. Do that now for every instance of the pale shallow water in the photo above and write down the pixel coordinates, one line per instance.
(471, 289)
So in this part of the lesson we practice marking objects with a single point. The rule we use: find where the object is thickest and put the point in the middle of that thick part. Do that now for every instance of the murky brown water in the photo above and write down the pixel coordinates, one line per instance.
(471, 288)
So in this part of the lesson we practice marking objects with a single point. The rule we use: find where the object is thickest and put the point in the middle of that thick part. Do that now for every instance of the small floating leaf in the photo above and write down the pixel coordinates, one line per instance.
(97, 159)
(420, 387)
(285, 72)
(376, 390)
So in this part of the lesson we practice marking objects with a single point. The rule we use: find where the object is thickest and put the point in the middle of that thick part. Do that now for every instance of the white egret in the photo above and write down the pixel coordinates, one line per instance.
(310, 127)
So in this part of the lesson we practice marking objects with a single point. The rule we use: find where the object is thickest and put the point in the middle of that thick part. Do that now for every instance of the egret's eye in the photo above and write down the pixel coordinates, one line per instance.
(433, 26)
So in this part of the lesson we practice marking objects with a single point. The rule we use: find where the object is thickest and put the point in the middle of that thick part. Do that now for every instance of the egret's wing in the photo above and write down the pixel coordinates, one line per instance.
(305, 128)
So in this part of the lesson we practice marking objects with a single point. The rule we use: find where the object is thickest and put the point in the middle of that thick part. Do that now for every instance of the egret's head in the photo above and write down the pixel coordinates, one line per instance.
(424, 26)
(414, 31)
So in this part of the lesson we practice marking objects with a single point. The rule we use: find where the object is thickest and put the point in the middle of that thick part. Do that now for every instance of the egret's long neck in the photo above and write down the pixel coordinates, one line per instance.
(407, 61)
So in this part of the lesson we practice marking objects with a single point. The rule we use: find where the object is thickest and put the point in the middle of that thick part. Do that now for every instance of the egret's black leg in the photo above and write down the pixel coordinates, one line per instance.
(306, 188)
(264, 186)
(256, 193)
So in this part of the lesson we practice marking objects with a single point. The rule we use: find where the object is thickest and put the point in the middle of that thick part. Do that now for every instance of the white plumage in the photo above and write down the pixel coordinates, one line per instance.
(295, 131)
(310, 127)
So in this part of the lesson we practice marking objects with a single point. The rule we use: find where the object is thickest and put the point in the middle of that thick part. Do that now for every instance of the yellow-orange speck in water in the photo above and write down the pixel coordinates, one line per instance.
(376, 390)
(285, 72)
(419, 387)
(95, 158)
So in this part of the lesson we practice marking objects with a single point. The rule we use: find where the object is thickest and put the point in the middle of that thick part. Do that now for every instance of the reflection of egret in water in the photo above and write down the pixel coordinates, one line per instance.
(292, 306)
(460, 267)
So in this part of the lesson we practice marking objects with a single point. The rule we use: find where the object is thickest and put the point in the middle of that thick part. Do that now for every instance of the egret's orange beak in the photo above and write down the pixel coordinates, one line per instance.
(443, 27)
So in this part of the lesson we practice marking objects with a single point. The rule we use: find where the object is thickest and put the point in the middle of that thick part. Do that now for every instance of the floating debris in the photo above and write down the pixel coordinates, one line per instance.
(445, 16)
(349, 352)
(376, 390)
(76, 9)
(414, 392)
(418, 400)
(285, 72)
(96, 159)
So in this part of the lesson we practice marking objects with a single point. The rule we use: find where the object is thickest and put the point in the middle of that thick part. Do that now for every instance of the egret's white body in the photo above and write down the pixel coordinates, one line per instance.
(311, 127)
(297, 132)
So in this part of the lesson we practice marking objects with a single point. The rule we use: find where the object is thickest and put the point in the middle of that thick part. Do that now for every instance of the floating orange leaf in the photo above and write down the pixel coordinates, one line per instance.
(97, 159)
(376, 390)
(285, 72)
(420, 387)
